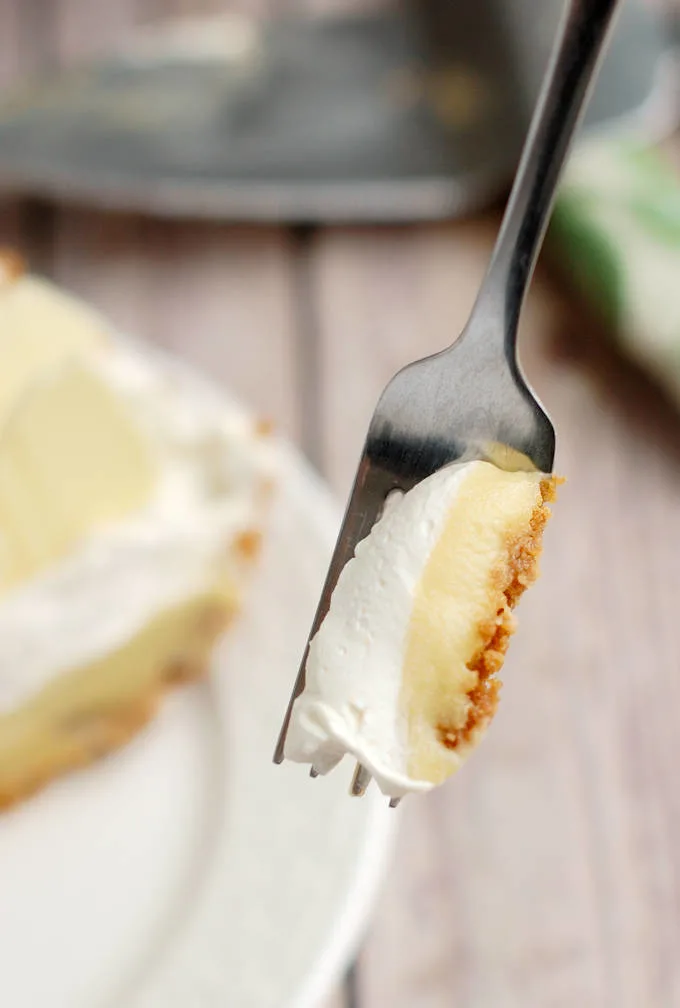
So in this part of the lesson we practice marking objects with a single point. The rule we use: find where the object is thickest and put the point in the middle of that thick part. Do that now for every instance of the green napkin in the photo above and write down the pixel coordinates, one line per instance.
(616, 231)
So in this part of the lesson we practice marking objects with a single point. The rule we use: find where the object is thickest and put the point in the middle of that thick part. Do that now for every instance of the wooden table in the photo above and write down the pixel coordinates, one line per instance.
(546, 874)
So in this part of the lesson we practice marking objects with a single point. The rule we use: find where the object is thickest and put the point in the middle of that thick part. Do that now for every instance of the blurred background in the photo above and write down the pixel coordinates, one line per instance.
(301, 239)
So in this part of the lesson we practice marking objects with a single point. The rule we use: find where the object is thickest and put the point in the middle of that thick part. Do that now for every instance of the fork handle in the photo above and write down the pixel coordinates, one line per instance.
(574, 60)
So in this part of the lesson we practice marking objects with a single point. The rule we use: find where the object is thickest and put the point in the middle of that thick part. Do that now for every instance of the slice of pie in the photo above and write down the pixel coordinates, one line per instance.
(403, 672)
(131, 504)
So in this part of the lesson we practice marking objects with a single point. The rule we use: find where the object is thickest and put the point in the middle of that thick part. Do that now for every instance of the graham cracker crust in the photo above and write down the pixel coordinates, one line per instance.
(12, 266)
(510, 582)
(99, 733)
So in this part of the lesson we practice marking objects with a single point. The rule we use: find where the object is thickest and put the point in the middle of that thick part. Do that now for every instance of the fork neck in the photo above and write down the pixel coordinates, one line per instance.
(574, 60)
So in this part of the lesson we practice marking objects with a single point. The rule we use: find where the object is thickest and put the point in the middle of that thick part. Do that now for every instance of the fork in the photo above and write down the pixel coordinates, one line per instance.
(472, 401)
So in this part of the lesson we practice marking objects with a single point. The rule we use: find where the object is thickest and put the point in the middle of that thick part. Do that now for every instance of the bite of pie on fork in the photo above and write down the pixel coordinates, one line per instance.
(443, 528)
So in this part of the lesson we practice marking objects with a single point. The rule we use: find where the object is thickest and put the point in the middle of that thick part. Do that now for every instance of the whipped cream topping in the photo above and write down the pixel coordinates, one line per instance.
(354, 668)
(211, 466)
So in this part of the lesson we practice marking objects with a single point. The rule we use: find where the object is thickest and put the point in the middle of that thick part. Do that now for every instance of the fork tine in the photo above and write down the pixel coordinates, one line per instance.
(394, 802)
(360, 781)
(313, 772)
(371, 487)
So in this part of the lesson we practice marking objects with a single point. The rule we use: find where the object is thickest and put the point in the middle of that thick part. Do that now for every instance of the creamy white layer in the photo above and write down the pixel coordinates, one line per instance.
(356, 660)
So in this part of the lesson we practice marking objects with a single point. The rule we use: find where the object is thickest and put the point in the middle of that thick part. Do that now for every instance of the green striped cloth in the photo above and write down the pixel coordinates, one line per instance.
(616, 230)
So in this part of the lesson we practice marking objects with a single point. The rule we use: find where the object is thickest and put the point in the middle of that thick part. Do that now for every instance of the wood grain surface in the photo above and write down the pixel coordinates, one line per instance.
(547, 873)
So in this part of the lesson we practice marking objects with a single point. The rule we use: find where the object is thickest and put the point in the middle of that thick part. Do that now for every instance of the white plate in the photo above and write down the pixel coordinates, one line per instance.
(186, 870)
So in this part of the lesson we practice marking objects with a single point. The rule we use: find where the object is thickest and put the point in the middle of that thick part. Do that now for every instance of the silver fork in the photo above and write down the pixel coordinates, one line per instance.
(471, 400)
